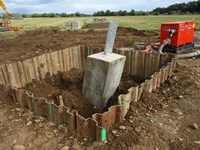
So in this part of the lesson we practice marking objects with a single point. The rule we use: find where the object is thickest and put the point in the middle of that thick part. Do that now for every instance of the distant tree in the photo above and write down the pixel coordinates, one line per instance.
(180, 8)
(107, 13)
(52, 15)
(77, 14)
(63, 14)
(156, 13)
(132, 12)
(24, 15)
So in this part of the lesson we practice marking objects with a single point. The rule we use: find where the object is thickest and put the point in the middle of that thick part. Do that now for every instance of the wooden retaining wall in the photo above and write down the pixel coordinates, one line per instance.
(153, 68)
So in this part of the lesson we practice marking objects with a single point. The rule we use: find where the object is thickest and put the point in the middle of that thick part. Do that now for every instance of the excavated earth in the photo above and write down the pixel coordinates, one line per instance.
(166, 119)
(69, 86)
(37, 42)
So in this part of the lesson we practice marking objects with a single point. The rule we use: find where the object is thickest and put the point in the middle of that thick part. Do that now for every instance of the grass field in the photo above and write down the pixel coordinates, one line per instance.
(138, 22)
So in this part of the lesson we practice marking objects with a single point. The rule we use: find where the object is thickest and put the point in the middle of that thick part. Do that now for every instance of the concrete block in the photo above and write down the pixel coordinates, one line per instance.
(102, 77)
(73, 25)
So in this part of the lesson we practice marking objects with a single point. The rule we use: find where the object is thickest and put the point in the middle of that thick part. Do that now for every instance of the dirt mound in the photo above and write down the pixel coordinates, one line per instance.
(98, 25)
(39, 41)
(69, 86)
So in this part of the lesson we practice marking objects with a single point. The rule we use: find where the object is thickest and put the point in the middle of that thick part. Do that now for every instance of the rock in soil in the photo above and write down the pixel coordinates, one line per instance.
(122, 127)
(197, 142)
(180, 96)
(18, 147)
(114, 132)
(195, 126)
(29, 123)
(138, 129)
(65, 148)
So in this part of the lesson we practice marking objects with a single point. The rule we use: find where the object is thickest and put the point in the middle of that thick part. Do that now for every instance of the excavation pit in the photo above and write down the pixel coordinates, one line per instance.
(57, 73)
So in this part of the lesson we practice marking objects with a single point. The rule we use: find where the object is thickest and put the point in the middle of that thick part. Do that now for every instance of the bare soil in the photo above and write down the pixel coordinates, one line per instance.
(69, 86)
(163, 119)
(37, 42)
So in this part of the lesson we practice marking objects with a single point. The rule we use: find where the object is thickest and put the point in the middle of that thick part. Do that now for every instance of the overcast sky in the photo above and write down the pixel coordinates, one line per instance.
(84, 6)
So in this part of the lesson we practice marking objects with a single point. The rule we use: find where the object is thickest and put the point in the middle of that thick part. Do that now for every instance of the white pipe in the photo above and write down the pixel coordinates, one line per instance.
(193, 54)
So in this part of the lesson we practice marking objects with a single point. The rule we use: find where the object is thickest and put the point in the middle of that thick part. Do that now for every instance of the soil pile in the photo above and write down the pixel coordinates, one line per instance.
(69, 86)
(39, 41)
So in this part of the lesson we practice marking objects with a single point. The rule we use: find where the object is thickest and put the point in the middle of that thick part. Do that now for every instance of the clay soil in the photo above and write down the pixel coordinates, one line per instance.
(37, 42)
(166, 119)
(69, 86)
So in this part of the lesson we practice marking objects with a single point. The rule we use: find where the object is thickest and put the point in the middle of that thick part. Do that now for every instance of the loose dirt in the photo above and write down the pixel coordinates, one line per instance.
(69, 86)
(37, 42)
(163, 119)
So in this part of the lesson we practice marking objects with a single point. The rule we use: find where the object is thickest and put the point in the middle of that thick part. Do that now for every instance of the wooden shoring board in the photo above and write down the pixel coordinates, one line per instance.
(75, 57)
(102, 119)
(9, 91)
(170, 67)
(128, 53)
(140, 91)
(66, 59)
(167, 71)
(37, 70)
(22, 97)
(14, 75)
(175, 62)
(146, 82)
(117, 114)
(125, 100)
(150, 85)
(159, 76)
(2, 80)
(43, 66)
(71, 118)
(55, 62)
(79, 57)
(138, 64)
(83, 56)
(29, 69)
(155, 62)
(71, 58)
(58, 114)
(80, 122)
(89, 127)
(21, 72)
(60, 60)
(162, 75)
(148, 65)
(5, 74)
(134, 96)
(41, 106)
(152, 62)
(49, 63)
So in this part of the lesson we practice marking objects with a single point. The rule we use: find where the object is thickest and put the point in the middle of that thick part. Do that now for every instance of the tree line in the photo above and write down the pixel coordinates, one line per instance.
(180, 8)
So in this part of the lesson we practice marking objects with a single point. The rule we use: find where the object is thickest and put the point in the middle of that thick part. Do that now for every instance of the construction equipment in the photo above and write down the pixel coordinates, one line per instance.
(5, 24)
(103, 72)
(174, 37)
(5, 9)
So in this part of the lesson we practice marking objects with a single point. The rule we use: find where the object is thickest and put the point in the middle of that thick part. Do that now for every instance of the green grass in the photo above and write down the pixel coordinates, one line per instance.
(152, 22)
(138, 22)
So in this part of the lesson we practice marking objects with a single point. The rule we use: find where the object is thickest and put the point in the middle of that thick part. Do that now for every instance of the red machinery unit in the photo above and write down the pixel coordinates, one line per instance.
(177, 39)
(190, 31)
